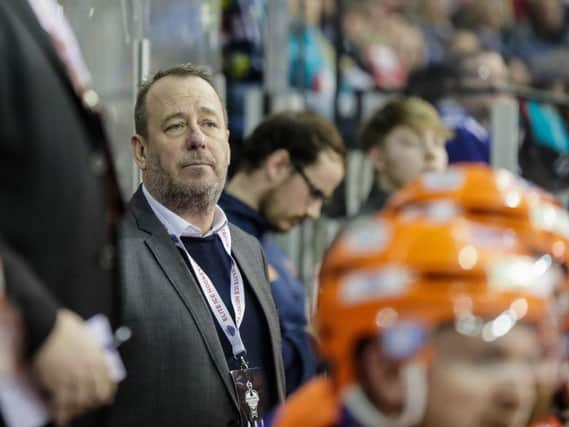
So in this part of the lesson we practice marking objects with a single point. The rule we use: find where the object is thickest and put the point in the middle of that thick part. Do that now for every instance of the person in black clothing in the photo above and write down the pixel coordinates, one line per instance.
(59, 202)
(403, 139)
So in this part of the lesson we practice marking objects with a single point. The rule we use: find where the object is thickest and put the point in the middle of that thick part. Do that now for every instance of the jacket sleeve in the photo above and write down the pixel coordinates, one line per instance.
(29, 294)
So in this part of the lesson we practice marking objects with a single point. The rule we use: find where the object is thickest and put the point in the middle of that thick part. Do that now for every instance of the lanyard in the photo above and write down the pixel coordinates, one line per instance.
(218, 308)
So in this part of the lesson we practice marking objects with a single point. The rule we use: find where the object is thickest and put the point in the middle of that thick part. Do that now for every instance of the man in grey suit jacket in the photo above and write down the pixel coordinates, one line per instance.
(186, 270)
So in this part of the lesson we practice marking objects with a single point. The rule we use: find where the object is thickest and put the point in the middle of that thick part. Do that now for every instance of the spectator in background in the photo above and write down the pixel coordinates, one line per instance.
(486, 18)
(452, 87)
(291, 163)
(544, 34)
(433, 18)
(311, 56)
(544, 154)
(328, 19)
(403, 139)
(408, 44)
(311, 53)
(519, 9)
(469, 114)
(242, 40)
(542, 42)
(519, 72)
(243, 61)
(356, 31)
(462, 43)
(482, 70)
(370, 29)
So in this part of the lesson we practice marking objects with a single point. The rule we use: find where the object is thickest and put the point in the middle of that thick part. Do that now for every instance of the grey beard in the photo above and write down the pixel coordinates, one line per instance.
(184, 199)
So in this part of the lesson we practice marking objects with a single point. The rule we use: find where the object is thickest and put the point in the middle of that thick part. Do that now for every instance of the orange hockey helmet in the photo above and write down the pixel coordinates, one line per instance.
(498, 198)
(388, 274)
(494, 197)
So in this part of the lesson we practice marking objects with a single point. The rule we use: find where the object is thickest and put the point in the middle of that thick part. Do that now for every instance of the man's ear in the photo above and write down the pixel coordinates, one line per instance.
(139, 151)
(277, 166)
(376, 156)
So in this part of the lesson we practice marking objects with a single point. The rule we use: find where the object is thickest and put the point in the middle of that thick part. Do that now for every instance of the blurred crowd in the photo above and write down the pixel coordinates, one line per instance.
(383, 42)
(460, 55)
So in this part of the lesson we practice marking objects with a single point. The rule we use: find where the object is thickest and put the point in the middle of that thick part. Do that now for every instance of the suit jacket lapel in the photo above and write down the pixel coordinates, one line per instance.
(181, 279)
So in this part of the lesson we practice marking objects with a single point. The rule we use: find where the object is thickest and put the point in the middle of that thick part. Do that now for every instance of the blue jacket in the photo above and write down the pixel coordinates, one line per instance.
(470, 142)
(288, 294)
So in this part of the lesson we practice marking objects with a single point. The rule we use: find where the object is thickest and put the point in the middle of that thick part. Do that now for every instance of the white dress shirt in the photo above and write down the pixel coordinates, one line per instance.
(178, 226)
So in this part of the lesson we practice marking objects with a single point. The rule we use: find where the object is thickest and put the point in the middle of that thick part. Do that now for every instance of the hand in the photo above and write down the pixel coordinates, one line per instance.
(72, 368)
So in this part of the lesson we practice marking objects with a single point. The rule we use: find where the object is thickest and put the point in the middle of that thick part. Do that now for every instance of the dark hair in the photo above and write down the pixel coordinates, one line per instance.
(414, 112)
(435, 82)
(183, 70)
(304, 134)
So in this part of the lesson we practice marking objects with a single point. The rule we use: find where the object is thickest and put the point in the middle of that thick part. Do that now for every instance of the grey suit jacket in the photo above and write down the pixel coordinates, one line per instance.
(177, 371)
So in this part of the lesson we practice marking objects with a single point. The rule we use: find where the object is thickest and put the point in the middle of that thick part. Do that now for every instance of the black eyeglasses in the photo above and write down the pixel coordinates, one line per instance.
(315, 192)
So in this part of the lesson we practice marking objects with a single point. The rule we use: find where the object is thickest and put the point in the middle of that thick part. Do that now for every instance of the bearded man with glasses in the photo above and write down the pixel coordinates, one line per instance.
(291, 163)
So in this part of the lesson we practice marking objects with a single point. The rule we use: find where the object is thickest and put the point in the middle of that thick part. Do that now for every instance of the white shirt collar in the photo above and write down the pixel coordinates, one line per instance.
(178, 226)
